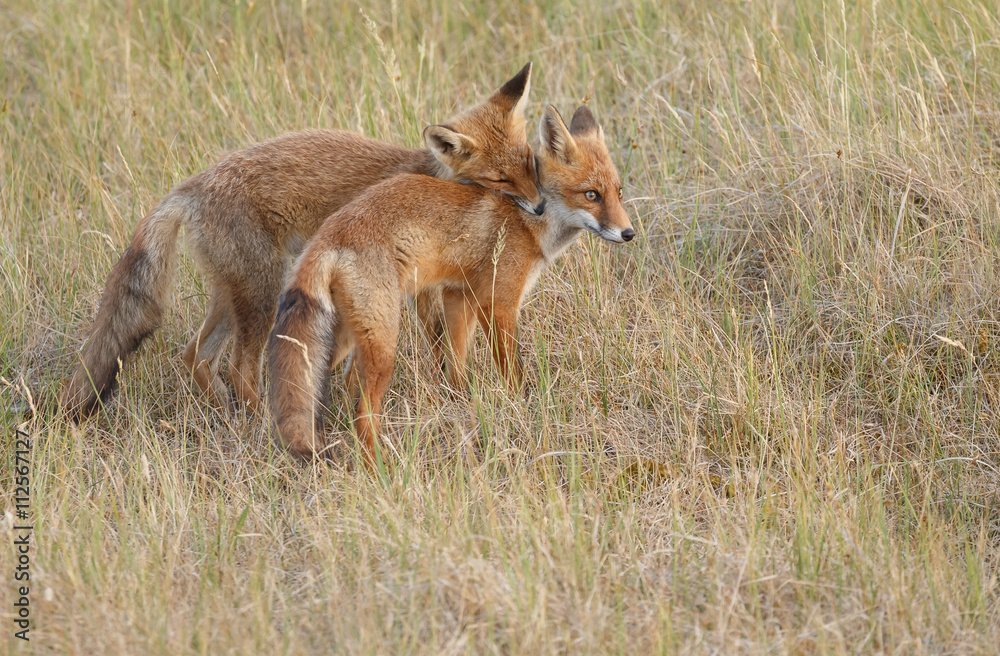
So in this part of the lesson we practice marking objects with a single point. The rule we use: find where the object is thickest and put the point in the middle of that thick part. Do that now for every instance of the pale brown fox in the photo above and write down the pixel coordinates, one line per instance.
(249, 213)
(415, 232)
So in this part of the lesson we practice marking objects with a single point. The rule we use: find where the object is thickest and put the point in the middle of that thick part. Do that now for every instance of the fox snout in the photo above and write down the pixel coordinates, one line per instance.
(531, 205)
(618, 223)
(535, 199)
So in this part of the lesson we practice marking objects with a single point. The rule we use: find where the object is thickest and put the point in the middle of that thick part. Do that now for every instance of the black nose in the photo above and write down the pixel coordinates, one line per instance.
(628, 234)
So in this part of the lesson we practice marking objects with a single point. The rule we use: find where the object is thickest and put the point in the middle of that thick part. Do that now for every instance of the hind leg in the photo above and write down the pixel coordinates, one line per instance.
(254, 318)
(376, 331)
(203, 354)
(240, 255)
(345, 350)
(376, 359)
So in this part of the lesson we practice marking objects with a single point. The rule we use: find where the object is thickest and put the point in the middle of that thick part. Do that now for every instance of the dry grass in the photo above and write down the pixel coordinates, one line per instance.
(769, 425)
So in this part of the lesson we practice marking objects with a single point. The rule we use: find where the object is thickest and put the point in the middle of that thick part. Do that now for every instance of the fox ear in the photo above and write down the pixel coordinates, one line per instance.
(448, 146)
(556, 138)
(513, 95)
(583, 123)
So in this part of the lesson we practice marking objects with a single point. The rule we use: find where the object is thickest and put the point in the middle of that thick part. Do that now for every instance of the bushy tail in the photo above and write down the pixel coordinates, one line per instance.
(299, 352)
(131, 305)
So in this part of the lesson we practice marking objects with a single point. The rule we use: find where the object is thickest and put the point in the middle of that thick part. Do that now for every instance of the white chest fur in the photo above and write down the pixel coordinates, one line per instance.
(561, 228)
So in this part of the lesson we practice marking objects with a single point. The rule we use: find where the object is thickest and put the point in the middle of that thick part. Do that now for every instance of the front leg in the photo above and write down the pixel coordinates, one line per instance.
(460, 321)
(499, 322)
(432, 320)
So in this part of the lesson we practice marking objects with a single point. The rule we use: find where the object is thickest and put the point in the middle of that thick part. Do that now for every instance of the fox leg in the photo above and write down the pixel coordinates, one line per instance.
(500, 324)
(345, 349)
(254, 317)
(460, 321)
(202, 354)
(376, 335)
(432, 321)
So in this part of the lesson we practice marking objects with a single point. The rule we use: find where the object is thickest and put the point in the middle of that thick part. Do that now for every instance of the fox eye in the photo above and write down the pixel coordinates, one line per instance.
(592, 196)
(503, 181)
(621, 193)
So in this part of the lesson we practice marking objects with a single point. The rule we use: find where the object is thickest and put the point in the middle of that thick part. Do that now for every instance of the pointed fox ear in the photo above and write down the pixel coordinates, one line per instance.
(584, 124)
(448, 146)
(513, 95)
(556, 137)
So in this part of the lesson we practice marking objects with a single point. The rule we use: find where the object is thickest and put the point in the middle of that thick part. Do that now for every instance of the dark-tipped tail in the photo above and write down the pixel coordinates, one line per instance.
(299, 354)
(131, 306)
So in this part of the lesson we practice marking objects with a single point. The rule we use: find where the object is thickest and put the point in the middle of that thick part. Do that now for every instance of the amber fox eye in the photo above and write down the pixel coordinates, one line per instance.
(592, 196)
(621, 194)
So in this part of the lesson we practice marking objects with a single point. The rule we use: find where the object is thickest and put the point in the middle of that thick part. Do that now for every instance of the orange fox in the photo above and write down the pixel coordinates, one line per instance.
(414, 232)
(249, 213)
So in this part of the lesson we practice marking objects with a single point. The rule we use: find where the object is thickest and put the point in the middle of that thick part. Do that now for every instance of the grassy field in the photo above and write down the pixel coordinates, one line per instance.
(768, 425)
